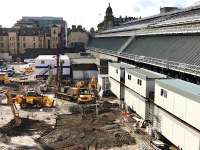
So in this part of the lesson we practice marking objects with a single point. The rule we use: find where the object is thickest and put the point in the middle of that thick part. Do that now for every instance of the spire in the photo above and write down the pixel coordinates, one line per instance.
(109, 11)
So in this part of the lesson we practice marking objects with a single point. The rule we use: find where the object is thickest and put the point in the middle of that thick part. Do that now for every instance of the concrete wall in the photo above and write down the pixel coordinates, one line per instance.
(178, 105)
(84, 74)
(177, 132)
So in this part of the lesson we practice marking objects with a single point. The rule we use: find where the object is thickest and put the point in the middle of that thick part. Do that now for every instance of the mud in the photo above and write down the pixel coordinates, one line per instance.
(72, 132)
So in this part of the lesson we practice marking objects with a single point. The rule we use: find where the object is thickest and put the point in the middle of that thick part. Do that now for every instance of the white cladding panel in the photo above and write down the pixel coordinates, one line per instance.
(133, 84)
(81, 75)
(179, 105)
(135, 102)
(40, 71)
(115, 87)
(114, 72)
(178, 133)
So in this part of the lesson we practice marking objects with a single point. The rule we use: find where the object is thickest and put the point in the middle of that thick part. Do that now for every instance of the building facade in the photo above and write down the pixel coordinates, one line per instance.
(16, 40)
(110, 21)
(78, 35)
(33, 33)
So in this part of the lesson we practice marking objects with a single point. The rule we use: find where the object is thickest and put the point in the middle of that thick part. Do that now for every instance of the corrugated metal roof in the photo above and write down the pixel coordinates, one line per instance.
(186, 89)
(110, 43)
(178, 48)
(145, 74)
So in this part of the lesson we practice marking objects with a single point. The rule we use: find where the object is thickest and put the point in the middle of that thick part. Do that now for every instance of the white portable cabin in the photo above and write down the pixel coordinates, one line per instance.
(43, 62)
(116, 72)
(140, 85)
(181, 99)
(176, 131)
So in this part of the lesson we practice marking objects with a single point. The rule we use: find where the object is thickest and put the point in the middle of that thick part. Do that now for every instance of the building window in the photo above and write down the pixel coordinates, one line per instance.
(116, 71)
(139, 82)
(1, 38)
(129, 76)
(24, 45)
(33, 45)
(24, 38)
(42, 62)
(163, 93)
(33, 38)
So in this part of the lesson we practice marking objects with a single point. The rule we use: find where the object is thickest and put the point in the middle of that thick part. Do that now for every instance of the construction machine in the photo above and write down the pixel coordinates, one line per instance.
(4, 78)
(80, 93)
(11, 103)
(93, 83)
(33, 99)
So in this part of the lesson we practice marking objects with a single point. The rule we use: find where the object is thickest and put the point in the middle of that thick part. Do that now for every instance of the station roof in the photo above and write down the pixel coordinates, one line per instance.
(110, 43)
(186, 89)
(177, 48)
(145, 74)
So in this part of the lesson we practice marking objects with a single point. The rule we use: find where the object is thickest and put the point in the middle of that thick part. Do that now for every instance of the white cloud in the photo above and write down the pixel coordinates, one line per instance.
(191, 2)
(85, 12)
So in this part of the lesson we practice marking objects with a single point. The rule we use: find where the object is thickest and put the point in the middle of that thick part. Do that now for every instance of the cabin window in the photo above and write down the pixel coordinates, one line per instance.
(42, 62)
(129, 76)
(139, 82)
(163, 93)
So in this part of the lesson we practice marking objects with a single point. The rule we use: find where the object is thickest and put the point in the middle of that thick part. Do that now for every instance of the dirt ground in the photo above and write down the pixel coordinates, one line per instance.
(62, 129)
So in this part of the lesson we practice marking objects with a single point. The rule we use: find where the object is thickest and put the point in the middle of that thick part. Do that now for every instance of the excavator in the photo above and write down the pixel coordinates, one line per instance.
(80, 93)
(33, 99)
(11, 103)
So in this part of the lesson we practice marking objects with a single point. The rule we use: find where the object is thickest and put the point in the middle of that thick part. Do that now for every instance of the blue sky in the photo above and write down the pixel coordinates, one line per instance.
(85, 12)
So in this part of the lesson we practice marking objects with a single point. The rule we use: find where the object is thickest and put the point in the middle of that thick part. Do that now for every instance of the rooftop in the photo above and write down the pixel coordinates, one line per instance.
(184, 88)
(145, 74)
(122, 65)
(51, 57)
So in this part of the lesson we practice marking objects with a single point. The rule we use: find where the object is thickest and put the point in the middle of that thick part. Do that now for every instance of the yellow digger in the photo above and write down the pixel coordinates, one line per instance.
(4, 78)
(32, 99)
(13, 107)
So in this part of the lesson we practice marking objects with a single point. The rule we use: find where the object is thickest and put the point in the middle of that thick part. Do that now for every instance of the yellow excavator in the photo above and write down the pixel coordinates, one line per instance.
(80, 93)
(33, 99)
(4, 78)
(11, 103)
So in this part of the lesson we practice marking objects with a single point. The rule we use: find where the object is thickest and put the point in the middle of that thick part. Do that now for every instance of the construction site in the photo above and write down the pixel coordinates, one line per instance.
(51, 112)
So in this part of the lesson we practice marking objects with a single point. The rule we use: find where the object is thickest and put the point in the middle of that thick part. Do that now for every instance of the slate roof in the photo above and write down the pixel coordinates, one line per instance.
(178, 48)
(110, 43)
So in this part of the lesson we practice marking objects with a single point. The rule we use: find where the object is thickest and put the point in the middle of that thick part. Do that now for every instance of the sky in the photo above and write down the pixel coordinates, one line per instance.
(87, 13)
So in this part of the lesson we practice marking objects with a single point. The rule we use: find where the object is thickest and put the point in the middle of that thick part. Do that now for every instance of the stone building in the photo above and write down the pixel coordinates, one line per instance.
(78, 35)
(110, 21)
(33, 33)
(15, 40)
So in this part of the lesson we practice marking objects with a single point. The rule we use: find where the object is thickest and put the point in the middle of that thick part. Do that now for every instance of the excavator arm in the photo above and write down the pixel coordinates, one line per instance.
(13, 107)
